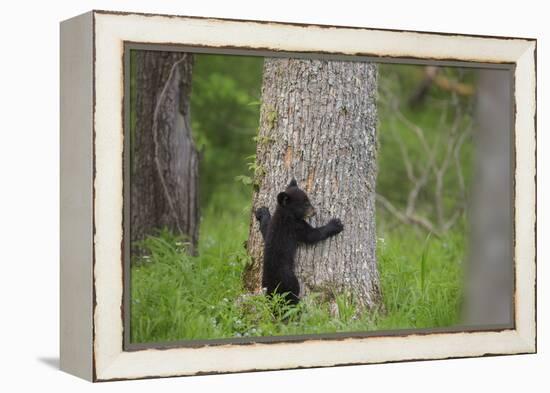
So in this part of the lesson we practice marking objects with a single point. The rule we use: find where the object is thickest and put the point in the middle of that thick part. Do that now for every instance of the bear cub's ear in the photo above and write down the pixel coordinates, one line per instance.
(293, 183)
(282, 198)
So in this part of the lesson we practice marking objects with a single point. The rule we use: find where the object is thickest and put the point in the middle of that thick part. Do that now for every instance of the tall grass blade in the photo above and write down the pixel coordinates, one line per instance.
(423, 259)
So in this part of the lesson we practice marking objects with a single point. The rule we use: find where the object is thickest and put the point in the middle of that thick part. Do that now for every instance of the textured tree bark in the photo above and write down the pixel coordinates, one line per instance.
(490, 272)
(164, 161)
(318, 124)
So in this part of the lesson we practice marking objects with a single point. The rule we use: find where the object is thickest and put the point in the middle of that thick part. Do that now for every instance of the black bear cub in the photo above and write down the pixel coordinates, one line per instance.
(282, 233)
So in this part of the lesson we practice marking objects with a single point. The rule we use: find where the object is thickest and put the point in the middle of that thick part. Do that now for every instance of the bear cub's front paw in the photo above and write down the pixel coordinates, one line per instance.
(335, 226)
(261, 212)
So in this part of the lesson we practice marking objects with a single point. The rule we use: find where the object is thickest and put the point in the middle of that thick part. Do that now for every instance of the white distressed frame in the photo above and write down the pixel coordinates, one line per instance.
(108, 360)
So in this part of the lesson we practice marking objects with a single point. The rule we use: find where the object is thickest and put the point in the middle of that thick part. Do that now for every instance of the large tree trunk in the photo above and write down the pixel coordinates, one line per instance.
(318, 124)
(164, 161)
(490, 276)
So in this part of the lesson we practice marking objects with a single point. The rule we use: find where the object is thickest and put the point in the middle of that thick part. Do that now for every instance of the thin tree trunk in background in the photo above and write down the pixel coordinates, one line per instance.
(164, 162)
(318, 124)
(489, 279)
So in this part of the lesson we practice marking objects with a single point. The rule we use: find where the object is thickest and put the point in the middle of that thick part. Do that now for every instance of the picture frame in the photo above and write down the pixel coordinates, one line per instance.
(93, 309)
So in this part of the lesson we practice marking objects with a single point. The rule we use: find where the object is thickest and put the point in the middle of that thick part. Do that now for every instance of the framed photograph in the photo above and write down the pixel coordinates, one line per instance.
(247, 195)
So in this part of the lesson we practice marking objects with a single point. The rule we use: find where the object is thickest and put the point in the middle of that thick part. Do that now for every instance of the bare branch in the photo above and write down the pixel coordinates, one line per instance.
(458, 166)
(415, 191)
(442, 169)
(436, 165)
(404, 154)
(419, 132)
(449, 224)
(407, 218)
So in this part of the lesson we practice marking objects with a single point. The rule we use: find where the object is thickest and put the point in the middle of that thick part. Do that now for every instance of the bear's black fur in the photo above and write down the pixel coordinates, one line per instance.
(282, 233)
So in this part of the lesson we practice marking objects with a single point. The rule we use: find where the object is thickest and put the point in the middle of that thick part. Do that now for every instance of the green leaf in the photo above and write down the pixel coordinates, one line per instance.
(423, 259)
(246, 180)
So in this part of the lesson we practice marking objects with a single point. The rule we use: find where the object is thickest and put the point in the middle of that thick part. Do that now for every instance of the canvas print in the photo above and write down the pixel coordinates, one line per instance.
(298, 196)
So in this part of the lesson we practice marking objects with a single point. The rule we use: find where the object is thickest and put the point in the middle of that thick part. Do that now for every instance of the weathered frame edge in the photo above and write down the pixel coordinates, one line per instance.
(76, 196)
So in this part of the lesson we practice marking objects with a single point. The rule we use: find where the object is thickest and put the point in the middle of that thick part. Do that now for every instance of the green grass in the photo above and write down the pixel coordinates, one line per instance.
(176, 296)
(421, 279)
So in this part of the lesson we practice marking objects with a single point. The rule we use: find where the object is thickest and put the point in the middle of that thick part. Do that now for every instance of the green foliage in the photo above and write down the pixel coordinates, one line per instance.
(423, 260)
(256, 171)
(224, 117)
(246, 180)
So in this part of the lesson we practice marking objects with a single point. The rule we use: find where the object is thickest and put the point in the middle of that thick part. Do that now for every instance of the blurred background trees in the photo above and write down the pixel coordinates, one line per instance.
(163, 158)
(426, 146)
(225, 111)
(490, 271)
